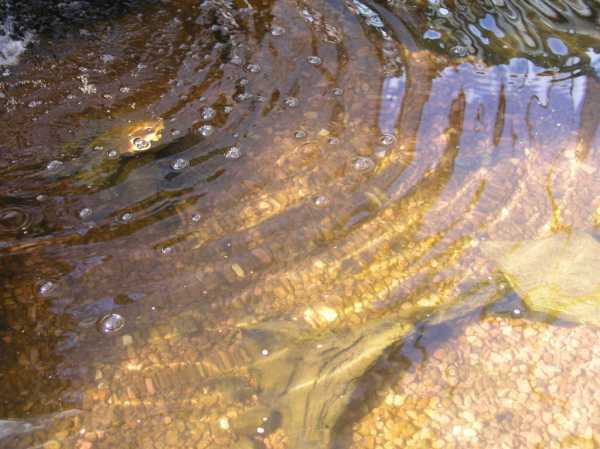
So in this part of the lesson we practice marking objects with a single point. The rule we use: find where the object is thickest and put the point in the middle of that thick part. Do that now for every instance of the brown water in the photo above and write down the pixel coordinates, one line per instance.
(325, 164)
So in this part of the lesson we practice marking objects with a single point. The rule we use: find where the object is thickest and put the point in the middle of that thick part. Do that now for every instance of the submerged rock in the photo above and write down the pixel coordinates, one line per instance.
(557, 275)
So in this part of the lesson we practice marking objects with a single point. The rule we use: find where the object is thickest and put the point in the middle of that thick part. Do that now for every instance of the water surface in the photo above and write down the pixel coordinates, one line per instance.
(197, 167)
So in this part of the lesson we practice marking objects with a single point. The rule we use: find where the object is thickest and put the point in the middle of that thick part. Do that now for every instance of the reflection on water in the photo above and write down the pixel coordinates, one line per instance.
(223, 224)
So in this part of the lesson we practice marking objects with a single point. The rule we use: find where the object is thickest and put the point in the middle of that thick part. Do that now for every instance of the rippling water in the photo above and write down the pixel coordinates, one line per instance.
(177, 174)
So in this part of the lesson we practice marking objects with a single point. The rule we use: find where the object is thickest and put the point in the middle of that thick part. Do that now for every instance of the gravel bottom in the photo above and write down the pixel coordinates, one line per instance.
(503, 383)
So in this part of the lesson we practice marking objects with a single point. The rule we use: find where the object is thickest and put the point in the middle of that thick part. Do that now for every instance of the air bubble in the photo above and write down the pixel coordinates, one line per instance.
(380, 152)
(387, 139)
(252, 68)
(333, 141)
(314, 60)
(337, 92)
(208, 113)
(277, 30)
(300, 134)
(320, 201)
(362, 164)
(112, 154)
(291, 102)
(166, 250)
(206, 130)
(84, 213)
(196, 218)
(228, 109)
(54, 165)
(243, 96)
(180, 164)
(46, 287)
(233, 153)
(459, 51)
(14, 219)
(126, 217)
(141, 144)
(111, 323)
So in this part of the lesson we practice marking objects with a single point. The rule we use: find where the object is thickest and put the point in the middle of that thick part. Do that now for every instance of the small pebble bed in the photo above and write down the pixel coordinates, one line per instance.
(503, 383)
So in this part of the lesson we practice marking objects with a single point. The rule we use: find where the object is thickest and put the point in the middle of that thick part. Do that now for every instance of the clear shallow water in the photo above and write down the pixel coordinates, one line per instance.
(188, 170)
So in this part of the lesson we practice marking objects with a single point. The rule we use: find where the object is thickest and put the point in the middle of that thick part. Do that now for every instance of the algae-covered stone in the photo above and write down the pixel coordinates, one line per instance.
(558, 275)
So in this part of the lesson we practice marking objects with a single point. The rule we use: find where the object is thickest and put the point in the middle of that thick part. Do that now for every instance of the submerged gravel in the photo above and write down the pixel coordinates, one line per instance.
(503, 383)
